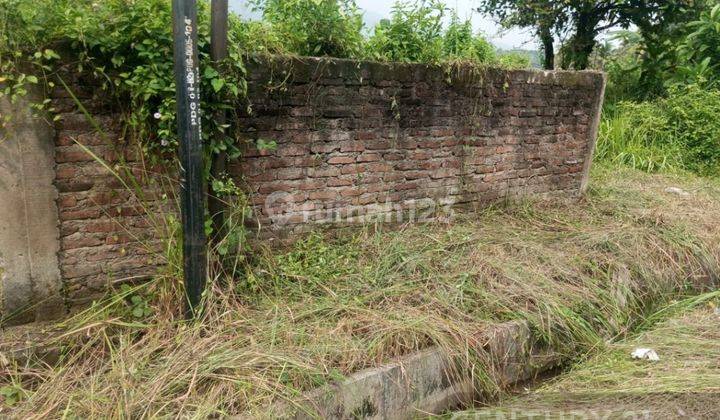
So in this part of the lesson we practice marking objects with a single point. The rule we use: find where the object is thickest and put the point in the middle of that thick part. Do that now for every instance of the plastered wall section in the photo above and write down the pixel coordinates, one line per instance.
(30, 283)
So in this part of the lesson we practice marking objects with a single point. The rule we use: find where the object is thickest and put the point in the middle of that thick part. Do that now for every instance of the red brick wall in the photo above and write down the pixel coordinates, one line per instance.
(108, 232)
(361, 139)
(354, 140)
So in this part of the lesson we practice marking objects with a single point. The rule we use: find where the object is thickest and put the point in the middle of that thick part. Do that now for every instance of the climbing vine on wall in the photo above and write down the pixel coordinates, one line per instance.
(126, 47)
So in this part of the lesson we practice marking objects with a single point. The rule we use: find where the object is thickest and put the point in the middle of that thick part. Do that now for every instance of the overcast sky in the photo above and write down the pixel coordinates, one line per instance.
(378, 9)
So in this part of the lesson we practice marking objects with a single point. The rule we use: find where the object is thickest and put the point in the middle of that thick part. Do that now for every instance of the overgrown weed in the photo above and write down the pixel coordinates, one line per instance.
(673, 133)
(301, 315)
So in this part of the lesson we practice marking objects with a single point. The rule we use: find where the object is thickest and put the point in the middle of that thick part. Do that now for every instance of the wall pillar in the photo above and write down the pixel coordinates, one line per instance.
(30, 282)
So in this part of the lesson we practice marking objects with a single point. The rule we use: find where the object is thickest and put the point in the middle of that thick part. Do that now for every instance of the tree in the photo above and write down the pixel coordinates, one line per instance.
(543, 15)
(583, 20)
(659, 39)
(699, 53)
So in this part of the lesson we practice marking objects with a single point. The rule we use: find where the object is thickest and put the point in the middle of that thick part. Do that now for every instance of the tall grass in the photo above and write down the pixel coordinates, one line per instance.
(677, 132)
(623, 140)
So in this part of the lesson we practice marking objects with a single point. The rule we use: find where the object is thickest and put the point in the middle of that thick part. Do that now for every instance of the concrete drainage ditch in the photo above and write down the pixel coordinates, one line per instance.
(422, 383)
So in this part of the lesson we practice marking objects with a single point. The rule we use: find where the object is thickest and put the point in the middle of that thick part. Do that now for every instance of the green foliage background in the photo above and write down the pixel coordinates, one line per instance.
(666, 119)
(312, 28)
(127, 46)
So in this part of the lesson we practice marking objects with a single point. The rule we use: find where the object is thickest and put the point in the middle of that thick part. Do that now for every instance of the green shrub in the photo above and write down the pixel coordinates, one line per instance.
(459, 42)
(414, 33)
(683, 51)
(316, 27)
(623, 80)
(514, 60)
(679, 131)
(693, 113)
(631, 135)
(127, 46)
(255, 36)
(623, 67)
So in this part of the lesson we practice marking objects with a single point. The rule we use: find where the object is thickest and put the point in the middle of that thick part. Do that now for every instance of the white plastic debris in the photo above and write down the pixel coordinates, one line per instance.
(677, 191)
(645, 354)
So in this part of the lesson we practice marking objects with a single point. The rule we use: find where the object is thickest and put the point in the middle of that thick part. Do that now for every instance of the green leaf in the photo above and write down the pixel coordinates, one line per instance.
(263, 144)
(217, 84)
(50, 54)
(11, 394)
(210, 73)
(234, 153)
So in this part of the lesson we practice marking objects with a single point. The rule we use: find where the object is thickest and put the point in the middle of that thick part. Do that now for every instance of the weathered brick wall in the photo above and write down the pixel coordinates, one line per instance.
(108, 230)
(353, 140)
(357, 139)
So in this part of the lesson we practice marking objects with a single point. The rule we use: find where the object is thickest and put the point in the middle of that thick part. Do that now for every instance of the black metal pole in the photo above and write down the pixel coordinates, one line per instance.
(219, 30)
(192, 197)
(218, 52)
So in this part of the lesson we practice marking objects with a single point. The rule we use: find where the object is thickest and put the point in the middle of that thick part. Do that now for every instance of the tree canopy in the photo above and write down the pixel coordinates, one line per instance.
(579, 22)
